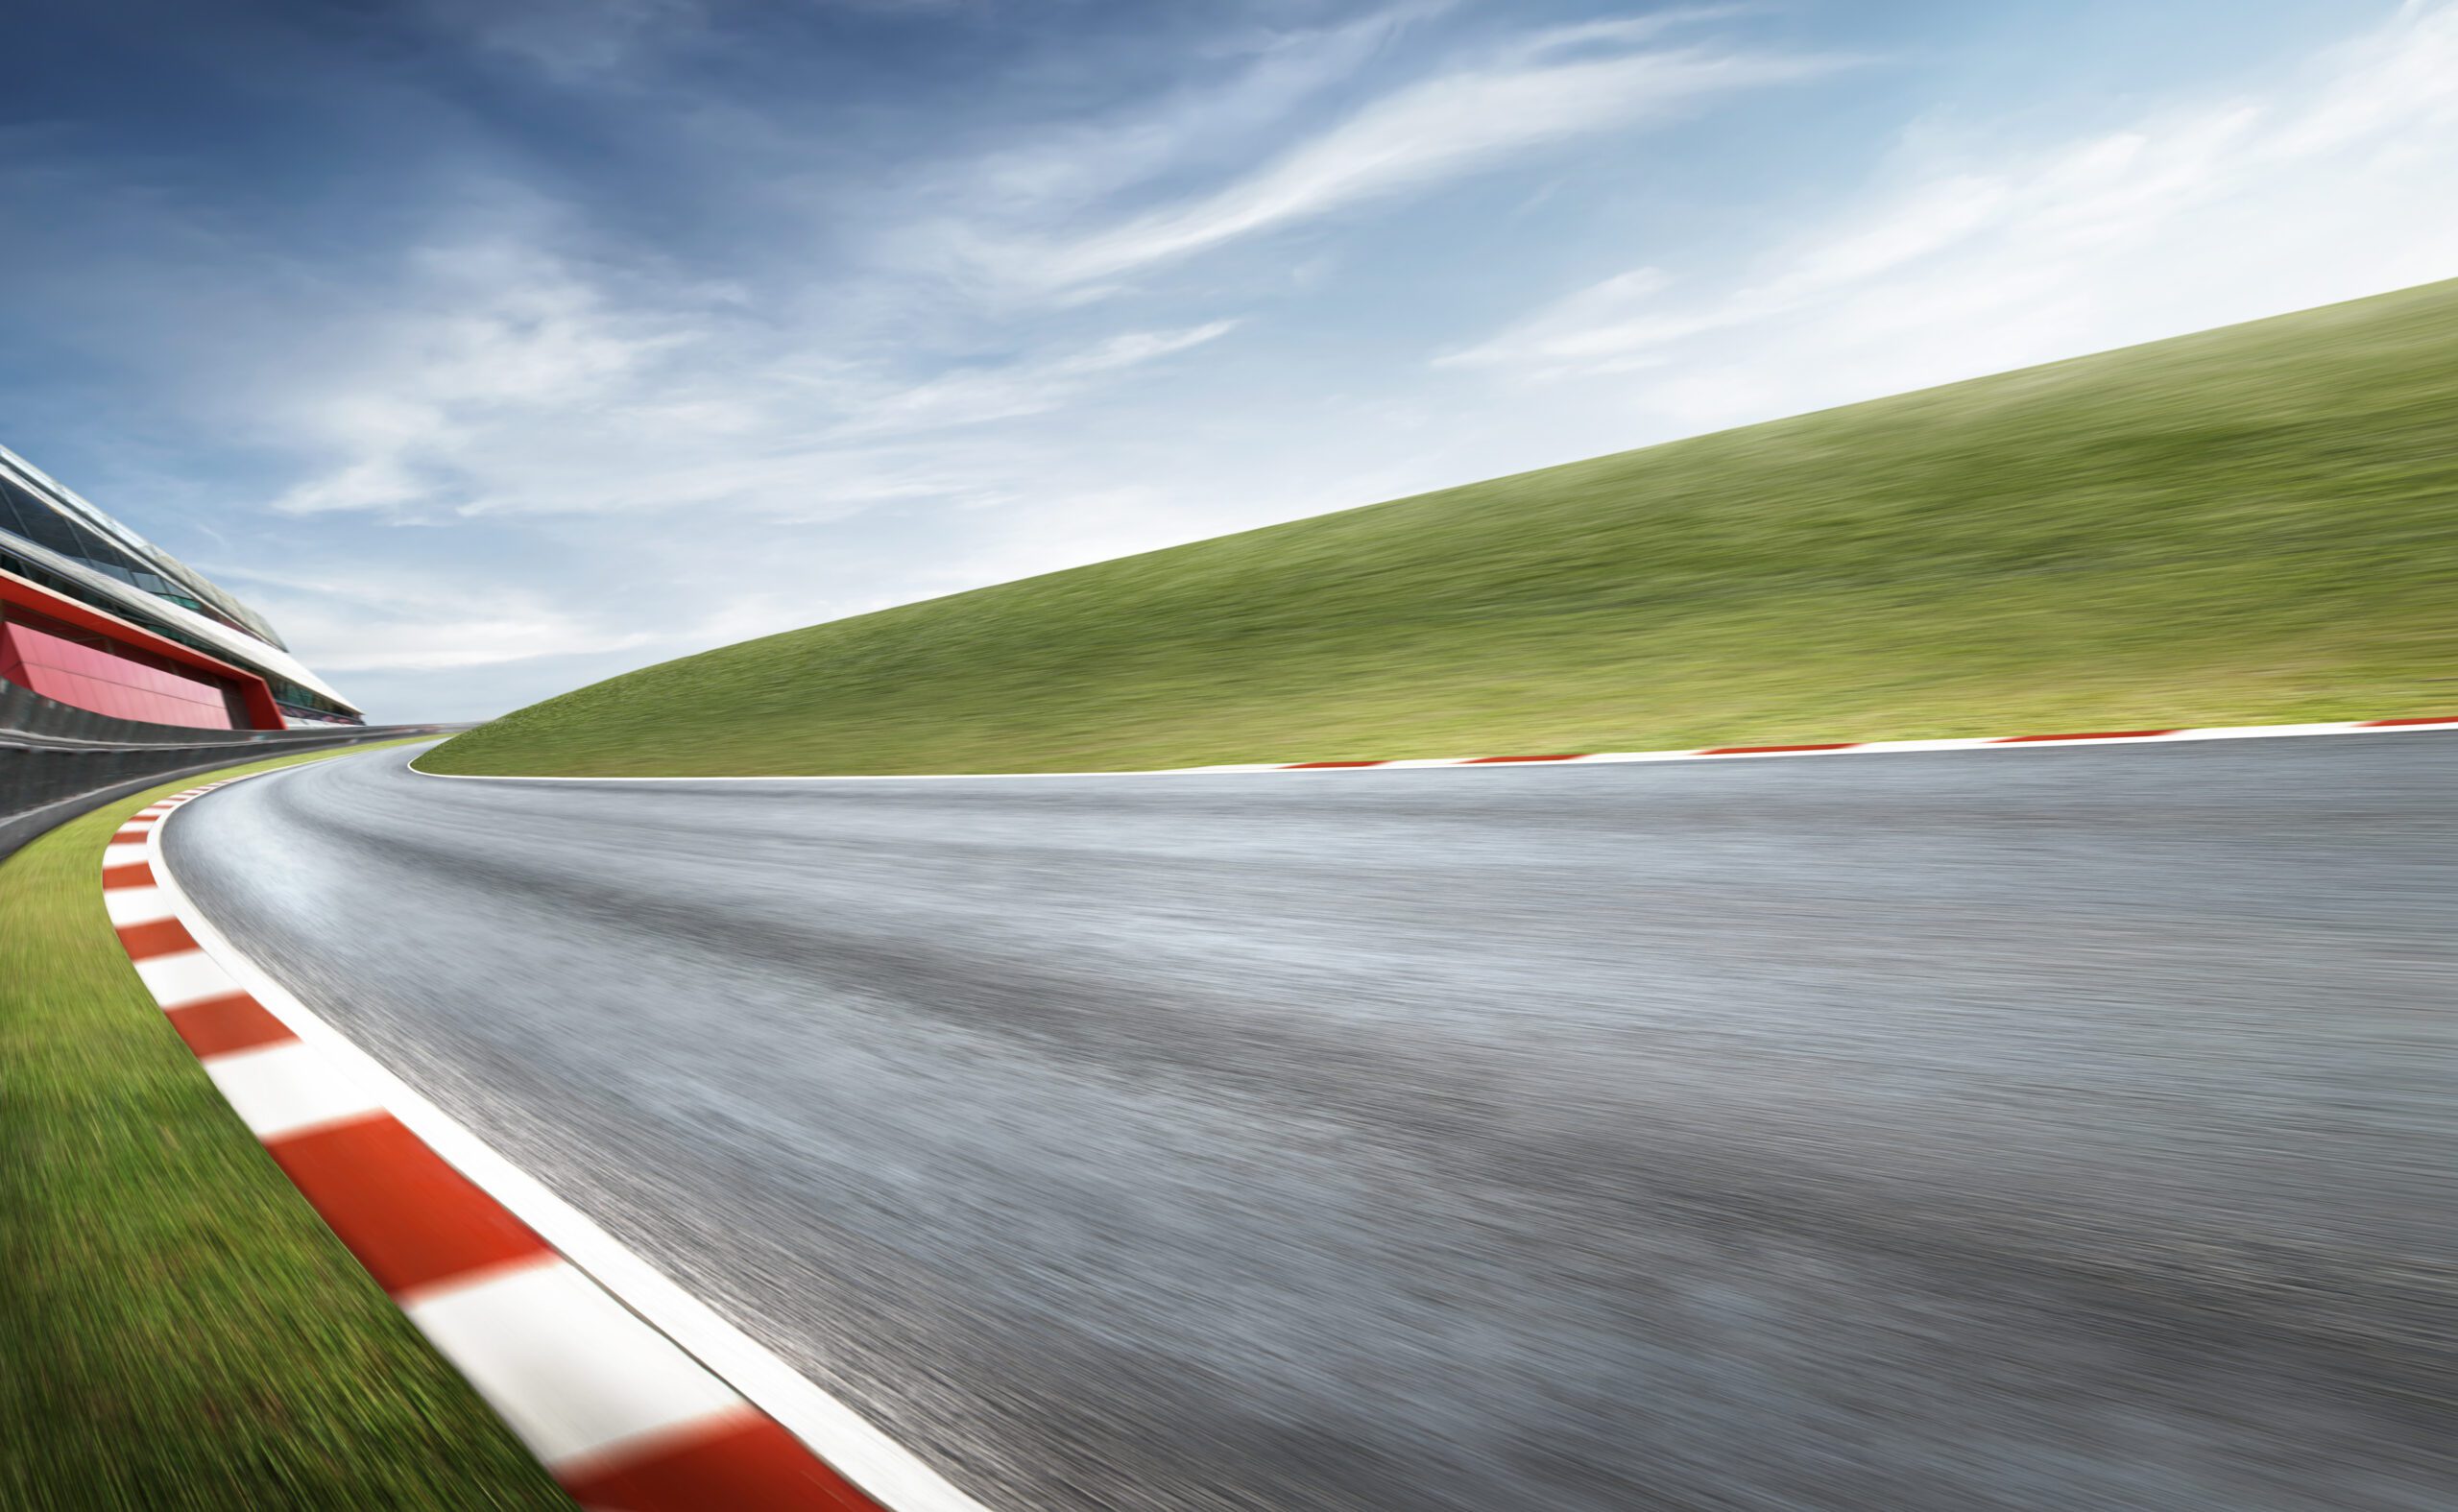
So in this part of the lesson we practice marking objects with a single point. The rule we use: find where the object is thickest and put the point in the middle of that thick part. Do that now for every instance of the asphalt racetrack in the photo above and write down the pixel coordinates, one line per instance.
(2043, 1127)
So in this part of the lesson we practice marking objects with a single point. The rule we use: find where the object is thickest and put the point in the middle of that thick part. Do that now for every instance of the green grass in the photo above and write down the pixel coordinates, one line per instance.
(177, 1327)
(2248, 525)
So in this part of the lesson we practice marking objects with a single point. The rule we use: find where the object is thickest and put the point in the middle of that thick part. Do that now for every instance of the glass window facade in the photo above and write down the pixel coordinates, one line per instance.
(59, 543)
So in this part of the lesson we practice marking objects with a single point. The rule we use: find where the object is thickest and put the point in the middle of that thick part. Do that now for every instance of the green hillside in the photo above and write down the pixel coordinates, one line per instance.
(2252, 524)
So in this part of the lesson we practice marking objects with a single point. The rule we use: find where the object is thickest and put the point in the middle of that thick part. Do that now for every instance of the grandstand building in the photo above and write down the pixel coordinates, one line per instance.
(93, 616)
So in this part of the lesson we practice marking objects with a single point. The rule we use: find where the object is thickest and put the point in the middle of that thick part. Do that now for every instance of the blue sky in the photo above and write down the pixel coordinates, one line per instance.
(495, 347)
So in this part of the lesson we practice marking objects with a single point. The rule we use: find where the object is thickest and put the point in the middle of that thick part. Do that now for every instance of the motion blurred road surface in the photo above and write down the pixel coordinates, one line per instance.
(2014, 1128)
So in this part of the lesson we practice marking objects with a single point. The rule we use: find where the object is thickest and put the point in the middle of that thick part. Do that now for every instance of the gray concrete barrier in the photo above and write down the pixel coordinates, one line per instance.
(58, 761)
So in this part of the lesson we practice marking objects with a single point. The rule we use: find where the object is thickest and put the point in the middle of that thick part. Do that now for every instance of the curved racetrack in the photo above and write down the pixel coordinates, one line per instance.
(2021, 1128)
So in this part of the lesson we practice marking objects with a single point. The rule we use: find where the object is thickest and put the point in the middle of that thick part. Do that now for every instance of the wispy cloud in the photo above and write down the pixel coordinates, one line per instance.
(574, 41)
(1971, 262)
(495, 334)
(1061, 169)
(973, 395)
(365, 621)
(507, 381)
(1546, 88)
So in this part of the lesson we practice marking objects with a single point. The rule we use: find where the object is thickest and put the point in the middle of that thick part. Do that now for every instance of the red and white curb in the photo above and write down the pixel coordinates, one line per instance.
(1835, 747)
(631, 1392)
(2093, 738)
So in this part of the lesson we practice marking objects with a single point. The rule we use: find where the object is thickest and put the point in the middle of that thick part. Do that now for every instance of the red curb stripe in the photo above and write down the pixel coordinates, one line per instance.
(2392, 723)
(157, 937)
(1317, 766)
(223, 1025)
(135, 874)
(742, 1463)
(1828, 745)
(411, 1219)
(1572, 755)
(2088, 734)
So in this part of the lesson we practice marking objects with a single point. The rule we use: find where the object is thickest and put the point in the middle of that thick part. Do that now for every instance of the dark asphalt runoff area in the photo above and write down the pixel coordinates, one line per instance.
(2040, 1128)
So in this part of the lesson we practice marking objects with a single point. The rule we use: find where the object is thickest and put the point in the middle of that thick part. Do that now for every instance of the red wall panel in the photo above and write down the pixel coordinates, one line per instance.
(38, 608)
(92, 677)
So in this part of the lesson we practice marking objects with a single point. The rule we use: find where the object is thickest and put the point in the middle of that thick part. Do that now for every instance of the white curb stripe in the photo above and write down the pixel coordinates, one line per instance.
(512, 1334)
(287, 1088)
(187, 977)
(136, 905)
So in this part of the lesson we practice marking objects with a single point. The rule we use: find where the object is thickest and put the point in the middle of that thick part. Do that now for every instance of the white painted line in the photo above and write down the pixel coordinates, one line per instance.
(136, 905)
(122, 853)
(1985, 743)
(184, 977)
(2272, 732)
(1625, 758)
(514, 1335)
(287, 1088)
(908, 777)
(885, 1469)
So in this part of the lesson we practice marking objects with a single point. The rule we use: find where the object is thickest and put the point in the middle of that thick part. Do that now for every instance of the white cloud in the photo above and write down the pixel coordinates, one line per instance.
(1628, 30)
(1541, 90)
(496, 334)
(2336, 186)
(1058, 171)
(569, 42)
(368, 622)
(508, 381)
(975, 396)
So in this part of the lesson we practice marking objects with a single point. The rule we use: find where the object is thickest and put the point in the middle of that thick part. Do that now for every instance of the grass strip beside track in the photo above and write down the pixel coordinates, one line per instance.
(179, 1330)
(2255, 526)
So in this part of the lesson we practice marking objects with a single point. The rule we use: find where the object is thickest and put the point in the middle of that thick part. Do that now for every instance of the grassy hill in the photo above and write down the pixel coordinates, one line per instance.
(2252, 524)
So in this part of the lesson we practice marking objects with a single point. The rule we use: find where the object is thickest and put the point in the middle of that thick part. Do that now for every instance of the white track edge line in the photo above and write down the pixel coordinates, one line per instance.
(885, 1469)
(2352, 726)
